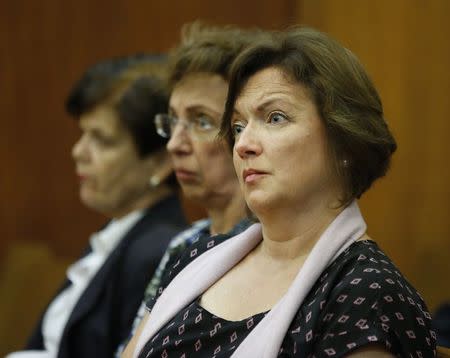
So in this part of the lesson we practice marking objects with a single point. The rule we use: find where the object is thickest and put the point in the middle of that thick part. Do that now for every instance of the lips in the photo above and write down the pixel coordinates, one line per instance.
(184, 174)
(251, 175)
(82, 177)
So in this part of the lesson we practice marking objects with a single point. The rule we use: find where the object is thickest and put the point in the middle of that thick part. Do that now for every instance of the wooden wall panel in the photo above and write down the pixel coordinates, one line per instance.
(404, 46)
(44, 47)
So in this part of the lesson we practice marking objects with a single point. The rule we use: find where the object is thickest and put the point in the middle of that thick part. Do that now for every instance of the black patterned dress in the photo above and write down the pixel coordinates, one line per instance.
(360, 299)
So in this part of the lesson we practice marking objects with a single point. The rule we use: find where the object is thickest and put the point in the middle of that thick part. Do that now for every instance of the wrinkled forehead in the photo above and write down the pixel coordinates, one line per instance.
(267, 85)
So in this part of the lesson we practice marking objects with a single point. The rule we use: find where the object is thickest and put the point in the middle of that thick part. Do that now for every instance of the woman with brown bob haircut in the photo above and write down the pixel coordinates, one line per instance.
(308, 137)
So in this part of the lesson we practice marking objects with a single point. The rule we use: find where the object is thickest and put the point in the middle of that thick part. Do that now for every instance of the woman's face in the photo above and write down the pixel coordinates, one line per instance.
(112, 175)
(204, 167)
(280, 151)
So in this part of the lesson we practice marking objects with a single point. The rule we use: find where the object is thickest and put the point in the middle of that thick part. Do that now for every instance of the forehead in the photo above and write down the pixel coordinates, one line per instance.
(103, 118)
(269, 84)
(199, 89)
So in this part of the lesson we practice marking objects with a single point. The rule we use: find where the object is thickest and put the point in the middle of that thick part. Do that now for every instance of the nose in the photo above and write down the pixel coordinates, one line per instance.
(79, 149)
(179, 142)
(247, 144)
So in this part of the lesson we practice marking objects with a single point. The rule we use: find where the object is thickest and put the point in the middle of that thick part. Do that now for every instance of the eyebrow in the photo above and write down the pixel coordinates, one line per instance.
(197, 108)
(267, 103)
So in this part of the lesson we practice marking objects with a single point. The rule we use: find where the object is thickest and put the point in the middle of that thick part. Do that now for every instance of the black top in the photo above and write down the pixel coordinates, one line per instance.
(103, 315)
(361, 298)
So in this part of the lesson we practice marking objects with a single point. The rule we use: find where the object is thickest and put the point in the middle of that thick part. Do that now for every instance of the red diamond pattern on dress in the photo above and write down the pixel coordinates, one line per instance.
(198, 345)
(308, 316)
(214, 331)
(166, 340)
(390, 281)
(384, 318)
(210, 244)
(355, 281)
(362, 324)
(420, 321)
(233, 337)
(343, 318)
(217, 350)
(309, 336)
(330, 352)
(198, 318)
(193, 252)
(181, 329)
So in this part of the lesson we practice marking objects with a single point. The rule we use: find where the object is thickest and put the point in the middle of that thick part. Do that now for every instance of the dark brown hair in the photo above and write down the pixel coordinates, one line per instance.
(359, 139)
(135, 86)
(209, 49)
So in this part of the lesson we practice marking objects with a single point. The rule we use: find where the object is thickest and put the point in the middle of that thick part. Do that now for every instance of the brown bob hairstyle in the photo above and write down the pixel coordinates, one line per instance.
(360, 142)
(208, 49)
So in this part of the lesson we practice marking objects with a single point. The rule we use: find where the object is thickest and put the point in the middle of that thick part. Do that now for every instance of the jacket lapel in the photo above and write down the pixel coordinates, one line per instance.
(97, 286)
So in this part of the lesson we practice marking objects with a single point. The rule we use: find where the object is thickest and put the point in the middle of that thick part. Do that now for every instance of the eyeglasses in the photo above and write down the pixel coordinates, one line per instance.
(200, 127)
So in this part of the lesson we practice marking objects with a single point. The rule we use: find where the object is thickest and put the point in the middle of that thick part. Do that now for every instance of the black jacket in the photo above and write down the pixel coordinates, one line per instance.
(103, 315)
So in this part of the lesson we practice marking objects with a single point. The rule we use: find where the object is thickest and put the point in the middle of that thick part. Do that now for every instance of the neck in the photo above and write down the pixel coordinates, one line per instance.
(145, 201)
(292, 234)
(226, 215)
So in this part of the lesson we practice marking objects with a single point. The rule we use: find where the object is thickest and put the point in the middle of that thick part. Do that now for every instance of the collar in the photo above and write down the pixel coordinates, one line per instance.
(105, 240)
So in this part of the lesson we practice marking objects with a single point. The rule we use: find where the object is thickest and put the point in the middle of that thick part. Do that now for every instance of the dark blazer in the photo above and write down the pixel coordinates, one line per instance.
(103, 315)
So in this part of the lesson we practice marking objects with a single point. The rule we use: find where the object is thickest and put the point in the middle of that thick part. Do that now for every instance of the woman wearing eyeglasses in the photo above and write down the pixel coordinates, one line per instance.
(199, 69)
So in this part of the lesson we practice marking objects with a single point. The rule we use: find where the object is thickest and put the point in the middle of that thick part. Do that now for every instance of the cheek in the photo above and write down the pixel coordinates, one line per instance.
(218, 163)
(237, 164)
(114, 170)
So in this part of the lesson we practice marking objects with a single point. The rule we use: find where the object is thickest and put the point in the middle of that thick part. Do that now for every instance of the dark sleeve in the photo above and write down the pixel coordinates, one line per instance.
(375, 306)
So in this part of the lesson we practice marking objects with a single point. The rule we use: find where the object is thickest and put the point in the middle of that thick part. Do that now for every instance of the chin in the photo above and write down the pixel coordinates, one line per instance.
(89, 202)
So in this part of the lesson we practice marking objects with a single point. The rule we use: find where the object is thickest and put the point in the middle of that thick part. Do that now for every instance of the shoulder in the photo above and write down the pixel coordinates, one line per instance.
(201, 242)
(365, 268)
(198, 247)
(191, 234)
(362, 299)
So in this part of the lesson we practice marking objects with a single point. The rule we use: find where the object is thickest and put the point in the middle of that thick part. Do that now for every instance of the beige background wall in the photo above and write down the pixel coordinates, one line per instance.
(45, 46)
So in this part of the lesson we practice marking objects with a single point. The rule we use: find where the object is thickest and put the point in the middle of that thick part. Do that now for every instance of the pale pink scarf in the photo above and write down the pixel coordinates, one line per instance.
(266, 338)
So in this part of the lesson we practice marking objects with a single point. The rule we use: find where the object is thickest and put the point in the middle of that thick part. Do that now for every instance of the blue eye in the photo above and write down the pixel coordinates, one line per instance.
(204, 123)
(277, 117)
(236, 129)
